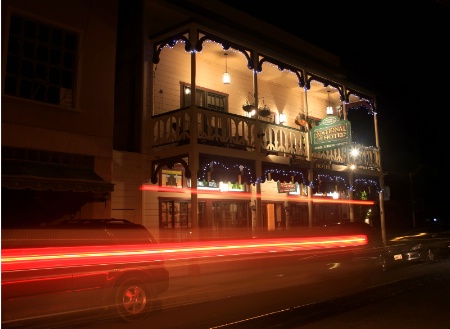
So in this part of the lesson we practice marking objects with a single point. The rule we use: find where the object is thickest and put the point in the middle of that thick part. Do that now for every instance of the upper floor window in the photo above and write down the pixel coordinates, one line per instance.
(205, 98)
(40, 62)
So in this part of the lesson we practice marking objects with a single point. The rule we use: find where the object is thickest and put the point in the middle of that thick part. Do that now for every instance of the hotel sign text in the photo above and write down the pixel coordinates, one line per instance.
(323, 165)
(299, 163)
(330, 133)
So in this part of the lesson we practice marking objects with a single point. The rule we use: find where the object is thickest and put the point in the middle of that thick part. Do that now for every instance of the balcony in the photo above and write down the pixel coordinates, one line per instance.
(175, 128)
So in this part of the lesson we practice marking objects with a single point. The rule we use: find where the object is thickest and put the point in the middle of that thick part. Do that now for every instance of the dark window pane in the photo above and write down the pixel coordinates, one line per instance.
(28, 50)
(39, 92)
(54, 77)
(10, 86)
(30, 30)
(53, 95)
(66, 79)
(68, 60)
(14, 45)
(41, 72)
(15, 26)
(25, 88)
(27, 69)
(70, 42)
(57, 38)
(43, 34)
(55, 56)
(12, 65)
(42, 54)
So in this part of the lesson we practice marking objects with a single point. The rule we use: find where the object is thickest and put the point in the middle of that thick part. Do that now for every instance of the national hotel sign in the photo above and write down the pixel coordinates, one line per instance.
(330, 133)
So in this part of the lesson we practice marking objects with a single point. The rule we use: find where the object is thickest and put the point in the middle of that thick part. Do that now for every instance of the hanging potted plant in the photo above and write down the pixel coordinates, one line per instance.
(247, 107)
(300, 120)
(264, 111)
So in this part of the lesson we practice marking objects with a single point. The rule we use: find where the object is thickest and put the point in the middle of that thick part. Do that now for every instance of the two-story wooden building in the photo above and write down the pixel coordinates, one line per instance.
(205, 120)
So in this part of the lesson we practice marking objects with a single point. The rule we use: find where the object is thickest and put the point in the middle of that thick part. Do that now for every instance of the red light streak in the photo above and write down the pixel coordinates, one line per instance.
(156, 188)
(53, 257)
(260, 246)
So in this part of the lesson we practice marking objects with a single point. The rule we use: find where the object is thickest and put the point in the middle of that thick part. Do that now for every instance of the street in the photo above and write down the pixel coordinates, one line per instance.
(414, 296)
(418, 300)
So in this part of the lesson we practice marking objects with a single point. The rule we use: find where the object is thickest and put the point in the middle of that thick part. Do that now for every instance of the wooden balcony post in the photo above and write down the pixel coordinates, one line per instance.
(193, 155)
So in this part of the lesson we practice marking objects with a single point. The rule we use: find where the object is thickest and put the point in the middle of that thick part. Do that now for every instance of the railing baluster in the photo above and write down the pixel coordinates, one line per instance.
(230, 130)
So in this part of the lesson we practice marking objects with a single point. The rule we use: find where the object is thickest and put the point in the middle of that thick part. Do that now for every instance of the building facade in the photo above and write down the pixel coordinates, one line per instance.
(58, 63)
(181, 149)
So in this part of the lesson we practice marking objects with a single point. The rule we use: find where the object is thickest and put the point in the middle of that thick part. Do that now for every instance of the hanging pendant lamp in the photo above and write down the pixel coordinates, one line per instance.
(226, 76)
(329, 107)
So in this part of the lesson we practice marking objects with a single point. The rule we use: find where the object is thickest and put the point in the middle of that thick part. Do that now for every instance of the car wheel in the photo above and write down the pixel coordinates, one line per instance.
(133, 300)
(430, 256)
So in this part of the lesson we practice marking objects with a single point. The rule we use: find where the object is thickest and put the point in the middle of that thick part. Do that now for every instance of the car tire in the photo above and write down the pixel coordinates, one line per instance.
(133, 299)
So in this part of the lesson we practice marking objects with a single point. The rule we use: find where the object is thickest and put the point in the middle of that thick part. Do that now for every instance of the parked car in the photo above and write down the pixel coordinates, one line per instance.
(425, 244)
(374, 249)
(80, 265)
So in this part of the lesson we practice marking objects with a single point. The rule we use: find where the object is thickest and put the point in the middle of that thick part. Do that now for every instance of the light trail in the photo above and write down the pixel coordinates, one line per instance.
(246, 195)
(49, 257)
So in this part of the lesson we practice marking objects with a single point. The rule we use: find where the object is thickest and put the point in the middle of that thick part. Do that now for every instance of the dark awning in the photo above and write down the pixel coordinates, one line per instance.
(46, 176)
(227, 169)
(325, 181)
(283, 173)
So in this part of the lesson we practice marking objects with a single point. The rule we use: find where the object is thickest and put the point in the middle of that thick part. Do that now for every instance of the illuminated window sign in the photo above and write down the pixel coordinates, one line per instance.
(172, 178)
(287, 187)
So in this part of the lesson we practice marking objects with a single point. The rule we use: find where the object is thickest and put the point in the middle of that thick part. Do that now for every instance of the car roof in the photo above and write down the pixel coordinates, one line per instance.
(77, 232)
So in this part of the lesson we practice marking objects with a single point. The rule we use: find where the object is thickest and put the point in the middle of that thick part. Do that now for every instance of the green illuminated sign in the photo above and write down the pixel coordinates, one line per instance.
(331, 133)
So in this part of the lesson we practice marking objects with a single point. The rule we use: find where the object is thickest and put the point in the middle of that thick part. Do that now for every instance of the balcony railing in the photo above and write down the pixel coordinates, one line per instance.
(175, 128)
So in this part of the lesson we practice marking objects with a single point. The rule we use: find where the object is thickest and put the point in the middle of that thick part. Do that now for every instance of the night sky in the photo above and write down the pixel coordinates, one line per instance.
(398, 51)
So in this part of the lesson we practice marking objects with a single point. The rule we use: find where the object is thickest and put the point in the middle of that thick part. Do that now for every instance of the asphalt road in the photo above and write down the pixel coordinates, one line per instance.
(419, 299)
(284, 295)
(420, 303)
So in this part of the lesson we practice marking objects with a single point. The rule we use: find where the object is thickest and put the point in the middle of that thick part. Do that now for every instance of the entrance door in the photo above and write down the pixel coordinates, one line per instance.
(273, 218)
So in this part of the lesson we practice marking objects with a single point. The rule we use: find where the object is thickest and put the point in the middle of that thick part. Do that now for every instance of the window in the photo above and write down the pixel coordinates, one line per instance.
(41, 62)
(175, 220)
(298, 215)
(172, 178)
(175, 214)
(208, 99)
(230, 215)
(205, 98)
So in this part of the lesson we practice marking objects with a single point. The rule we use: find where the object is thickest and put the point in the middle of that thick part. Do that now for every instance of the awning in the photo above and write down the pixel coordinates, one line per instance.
(325, 181)
(227, 169)
(55, 177)
(283, 173)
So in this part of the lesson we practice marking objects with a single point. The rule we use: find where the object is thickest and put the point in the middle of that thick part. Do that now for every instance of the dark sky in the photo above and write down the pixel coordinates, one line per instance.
(399, 51)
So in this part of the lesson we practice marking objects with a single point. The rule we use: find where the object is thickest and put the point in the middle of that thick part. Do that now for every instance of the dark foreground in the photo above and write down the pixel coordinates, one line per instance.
(414, 296)
(418, 299)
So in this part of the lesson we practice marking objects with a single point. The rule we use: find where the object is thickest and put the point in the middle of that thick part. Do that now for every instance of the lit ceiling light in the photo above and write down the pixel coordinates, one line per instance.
(226, 76)
(329, 107)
